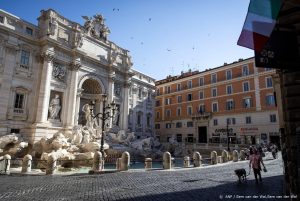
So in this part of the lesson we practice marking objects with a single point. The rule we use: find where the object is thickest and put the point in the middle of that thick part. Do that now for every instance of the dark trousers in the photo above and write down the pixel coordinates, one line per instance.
(257, 172)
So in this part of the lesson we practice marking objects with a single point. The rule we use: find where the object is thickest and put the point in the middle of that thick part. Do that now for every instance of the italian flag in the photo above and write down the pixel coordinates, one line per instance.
(259, 23)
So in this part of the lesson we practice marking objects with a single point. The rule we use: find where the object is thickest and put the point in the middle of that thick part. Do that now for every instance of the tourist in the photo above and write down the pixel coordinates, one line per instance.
(255, 161)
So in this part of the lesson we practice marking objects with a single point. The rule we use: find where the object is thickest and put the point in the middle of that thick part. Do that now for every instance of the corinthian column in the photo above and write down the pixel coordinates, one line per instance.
(44, 93)
(124, 122)
(72, 93)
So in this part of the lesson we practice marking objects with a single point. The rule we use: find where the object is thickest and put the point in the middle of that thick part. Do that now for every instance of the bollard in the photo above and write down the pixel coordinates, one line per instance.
(118, 164)
(186, 161)
(148, 163)
(197, 159)
(51, 164)
(235, 156)
(125, 161)
(7, 159)
(225, 156)
(219, 159)
(213, 157)
(242, 155)
(167, 162)
(97, 162)
(26, 164)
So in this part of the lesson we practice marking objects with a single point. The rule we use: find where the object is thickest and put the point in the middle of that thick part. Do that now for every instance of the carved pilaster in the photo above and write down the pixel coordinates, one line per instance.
(74, 66)
(112, 76)
(47, 56)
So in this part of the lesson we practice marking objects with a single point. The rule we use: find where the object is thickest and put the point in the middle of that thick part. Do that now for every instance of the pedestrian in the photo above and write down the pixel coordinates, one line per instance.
(255, 161)
(274, 151)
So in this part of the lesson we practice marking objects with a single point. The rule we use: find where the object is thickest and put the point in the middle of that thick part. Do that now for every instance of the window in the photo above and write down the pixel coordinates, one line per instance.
(168, 101)
(215, 107)
(247, 102)
(168, 89)
(201, 109)
(270, 100)
(246, 86)
(178, 125)
(215, 122)
(201, 81)
(233, 120)
(213, 78)
(190, 124)
(214, 92)
(157, 92)
(139, 118)
(168, 125)
(190, 138)
(148, 121)
(190, 85)
(269, 82)
(179, 137)
(19, 101)
(157, 115)
(140, 93)
(201, 95)
(245, 70)
(1, 19)
(229, 89)
(178, 111)
(157, 103)
(189, 110)
(157, 126)
(178, 87)
(230, 121)
(168, 113)
(228, 75)
(248, 120)
(189, 97)
(179, 99)
(29, 31)
(229, 105)
(24, 63)
(15, 130)
(273, 118)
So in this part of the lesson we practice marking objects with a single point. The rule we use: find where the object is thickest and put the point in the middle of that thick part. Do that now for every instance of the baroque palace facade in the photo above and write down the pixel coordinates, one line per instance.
(49, 72)
(233, 102)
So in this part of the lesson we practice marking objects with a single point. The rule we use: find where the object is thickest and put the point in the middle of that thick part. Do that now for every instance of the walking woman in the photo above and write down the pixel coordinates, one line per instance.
(255, 161)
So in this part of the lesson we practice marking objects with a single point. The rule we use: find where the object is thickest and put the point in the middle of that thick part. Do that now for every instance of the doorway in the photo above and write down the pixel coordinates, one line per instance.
(202, 134)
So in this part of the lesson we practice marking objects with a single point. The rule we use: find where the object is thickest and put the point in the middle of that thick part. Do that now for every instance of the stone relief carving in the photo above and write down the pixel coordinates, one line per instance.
(59, 71)
(95, 27)
(54, 107)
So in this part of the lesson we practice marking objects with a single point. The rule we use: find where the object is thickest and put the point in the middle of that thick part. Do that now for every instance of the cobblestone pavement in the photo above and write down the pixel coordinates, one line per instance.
(206, 183)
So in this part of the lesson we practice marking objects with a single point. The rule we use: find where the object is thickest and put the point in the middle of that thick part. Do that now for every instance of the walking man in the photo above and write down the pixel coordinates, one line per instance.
(255, 161)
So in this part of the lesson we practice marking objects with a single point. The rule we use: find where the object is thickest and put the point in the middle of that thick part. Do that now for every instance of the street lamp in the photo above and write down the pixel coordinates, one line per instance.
(228, 122)
(103, 116)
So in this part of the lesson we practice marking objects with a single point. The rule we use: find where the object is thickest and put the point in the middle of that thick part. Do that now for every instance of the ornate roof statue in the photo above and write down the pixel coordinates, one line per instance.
(95, 27)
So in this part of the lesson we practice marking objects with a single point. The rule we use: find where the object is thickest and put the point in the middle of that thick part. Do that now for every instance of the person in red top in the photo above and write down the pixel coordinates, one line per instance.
(255, 161)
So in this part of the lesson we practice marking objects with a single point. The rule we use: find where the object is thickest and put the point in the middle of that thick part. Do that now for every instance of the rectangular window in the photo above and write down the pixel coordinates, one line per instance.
(201, 81)
(24, 59)
(273, 118)
(228, 75)
(19, 101)
(168, 89)
(215, 122)
(269, 82)
(179, 99)
(29, 31)
(168, 125)
(189, 97)
(248, 120)
(157, 126)
(178, 112)
(247, 102)
(214, 92)
(178, 87)
(140, 93)
(213, 78)
(229, 89)
(179, 137)
(168, 101)
(157, 115)
(201, 109)
(157, 92)
(178, 125)
(189, 110)
(233, 120)
(190, 124)
(1, 19)
(270, 100)
(190, 138)
(157, 103)
(15, 130)
(168, 113)
(229, 105)
(246, 86)
(215, 107)
(190, 85)
(245, 70)
(201, 95)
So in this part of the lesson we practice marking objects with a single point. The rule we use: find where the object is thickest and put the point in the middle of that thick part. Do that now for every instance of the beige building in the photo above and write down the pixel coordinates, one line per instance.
(196, 108)
(50, 73)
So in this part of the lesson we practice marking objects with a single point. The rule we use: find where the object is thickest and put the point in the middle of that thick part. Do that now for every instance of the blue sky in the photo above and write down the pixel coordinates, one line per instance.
(164, 37)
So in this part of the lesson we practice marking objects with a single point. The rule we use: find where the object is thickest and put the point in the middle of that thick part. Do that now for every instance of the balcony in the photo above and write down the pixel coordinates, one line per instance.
(201, 116)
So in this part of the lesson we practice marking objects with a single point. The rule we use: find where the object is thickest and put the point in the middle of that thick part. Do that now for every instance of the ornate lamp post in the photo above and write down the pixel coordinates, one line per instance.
(108, 111)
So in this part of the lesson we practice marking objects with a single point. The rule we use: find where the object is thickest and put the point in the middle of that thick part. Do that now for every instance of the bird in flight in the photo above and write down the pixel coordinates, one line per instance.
(149, 19)
(169, 50)
(116, 9)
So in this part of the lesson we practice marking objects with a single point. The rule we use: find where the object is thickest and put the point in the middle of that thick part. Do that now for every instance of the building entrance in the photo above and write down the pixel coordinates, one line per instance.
(202, 134)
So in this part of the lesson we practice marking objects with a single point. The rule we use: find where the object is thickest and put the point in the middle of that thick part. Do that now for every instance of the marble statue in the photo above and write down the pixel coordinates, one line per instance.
(88, 113)
(54, 107)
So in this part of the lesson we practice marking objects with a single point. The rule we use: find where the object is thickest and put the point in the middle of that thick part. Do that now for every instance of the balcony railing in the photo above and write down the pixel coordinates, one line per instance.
(201, 116)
